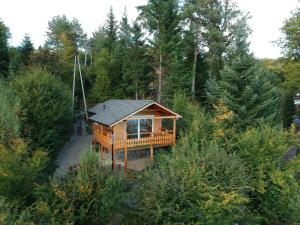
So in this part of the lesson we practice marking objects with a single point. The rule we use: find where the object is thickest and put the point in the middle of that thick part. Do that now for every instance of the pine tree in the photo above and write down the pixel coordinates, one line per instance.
(136, 68)
(4, 50)
(111, 29)
(25, 50)
(101, 69)
(162, 19)
(245, 87)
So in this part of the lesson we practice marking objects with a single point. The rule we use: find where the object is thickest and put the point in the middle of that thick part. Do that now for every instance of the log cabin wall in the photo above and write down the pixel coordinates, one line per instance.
(120, 131)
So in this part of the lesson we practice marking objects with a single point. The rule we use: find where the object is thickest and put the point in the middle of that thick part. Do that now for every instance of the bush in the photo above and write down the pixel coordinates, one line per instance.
(198, 184)
(20, 170)
(9, 121)
(95, 195)
(274, 188)
(46, 116)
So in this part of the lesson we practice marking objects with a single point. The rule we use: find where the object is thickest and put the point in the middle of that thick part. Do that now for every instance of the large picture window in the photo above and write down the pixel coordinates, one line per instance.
(139, 128)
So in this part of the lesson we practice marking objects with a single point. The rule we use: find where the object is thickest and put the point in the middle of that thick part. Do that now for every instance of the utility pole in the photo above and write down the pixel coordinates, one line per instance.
(77, 63)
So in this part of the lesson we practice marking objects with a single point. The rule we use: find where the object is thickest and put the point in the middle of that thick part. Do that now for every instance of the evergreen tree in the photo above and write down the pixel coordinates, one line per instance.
(4, 50)
(110, 29)
(63, 33)
(101, 68)
(136, 68)
(246, 88)
(162, 19)
(25, 50)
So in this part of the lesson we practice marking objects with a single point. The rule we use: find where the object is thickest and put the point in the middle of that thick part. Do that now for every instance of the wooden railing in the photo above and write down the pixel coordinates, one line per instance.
(164, 138)
(155, 139)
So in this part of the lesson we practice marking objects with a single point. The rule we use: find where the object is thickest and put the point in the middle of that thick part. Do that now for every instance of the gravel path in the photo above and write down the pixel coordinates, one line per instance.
(70, 154)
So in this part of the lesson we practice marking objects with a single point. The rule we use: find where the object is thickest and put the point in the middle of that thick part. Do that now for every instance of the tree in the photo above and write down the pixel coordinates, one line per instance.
(65, 33)
(110, 29)
(9, 121)
(136, 68)
(198, 184)
(46, 116)
(290, 42)
(4, 50)
(245, 87)
(101, 90)
(273, 183)
(249, 91)
(25, 50)
(20, 170)
(161, 18)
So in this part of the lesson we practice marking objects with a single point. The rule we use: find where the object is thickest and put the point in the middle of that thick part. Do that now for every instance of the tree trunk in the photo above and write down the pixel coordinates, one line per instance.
(136, 91)
(159, 77)
(194, 72)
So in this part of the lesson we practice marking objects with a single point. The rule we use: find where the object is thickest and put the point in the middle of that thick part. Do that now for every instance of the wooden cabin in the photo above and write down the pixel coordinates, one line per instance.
(125, 125)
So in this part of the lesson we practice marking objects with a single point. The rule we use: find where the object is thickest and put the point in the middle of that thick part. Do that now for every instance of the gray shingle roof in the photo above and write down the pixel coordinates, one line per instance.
(112, 111)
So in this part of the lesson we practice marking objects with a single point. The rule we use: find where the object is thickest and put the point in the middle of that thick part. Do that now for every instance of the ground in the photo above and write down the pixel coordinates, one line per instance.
(70, 154)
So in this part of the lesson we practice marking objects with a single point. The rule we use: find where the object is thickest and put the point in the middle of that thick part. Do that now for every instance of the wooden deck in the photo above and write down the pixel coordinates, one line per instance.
(165, 138)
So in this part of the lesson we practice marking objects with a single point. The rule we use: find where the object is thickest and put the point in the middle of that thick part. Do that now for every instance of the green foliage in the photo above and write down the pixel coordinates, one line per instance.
(110, 29)
(248, 90)
(101, 69)
(290, 43)
(46, 117)
(20, 170)
(63, 33)
(137, 71)
(274, 188)
(94, 196)
(161, 19)
(9, 121)
(198, 184)
(25, 50)
(4, 52)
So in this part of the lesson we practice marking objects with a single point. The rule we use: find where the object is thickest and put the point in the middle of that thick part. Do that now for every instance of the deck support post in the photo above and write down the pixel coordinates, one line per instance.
(125, 158)
(101, 152)
(113, 155)
(151, 153)
(94, 145)
(125, 148)
(174, 130)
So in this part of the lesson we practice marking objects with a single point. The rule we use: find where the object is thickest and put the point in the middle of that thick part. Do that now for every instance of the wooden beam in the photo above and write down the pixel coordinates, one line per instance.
(174, 131)
(101, 152)
(113, 155)
(151, 153)
(150, 117)
(125, 150)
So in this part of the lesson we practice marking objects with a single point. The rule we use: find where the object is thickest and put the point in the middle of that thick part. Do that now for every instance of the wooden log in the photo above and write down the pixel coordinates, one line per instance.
(125, 148)
(151, 153)
(113, 158)
(125, 158)
(174, 131)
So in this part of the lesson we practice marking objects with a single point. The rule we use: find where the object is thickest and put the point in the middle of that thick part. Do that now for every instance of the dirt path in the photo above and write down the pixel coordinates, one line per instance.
(70, 154)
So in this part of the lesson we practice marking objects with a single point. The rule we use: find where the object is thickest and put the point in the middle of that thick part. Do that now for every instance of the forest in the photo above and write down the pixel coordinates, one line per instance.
(229, 165)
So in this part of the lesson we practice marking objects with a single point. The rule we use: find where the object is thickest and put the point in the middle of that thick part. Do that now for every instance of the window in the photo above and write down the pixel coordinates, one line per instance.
(132, 129)
(139, 128)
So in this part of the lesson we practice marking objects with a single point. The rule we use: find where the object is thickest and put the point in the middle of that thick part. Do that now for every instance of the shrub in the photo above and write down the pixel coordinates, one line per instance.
(20, 170)
(46, 116)
(198, 184)
(9, 121)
